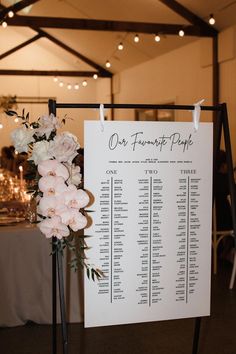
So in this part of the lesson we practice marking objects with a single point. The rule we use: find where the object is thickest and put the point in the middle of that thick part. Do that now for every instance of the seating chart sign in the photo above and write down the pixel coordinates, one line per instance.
(151, 187)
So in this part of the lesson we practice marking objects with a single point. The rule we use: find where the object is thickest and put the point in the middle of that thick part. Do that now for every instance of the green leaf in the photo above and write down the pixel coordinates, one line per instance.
(11, 113)
(88, 273)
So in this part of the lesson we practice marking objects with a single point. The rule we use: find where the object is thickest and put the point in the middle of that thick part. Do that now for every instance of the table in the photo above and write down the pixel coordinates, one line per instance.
(25, 278)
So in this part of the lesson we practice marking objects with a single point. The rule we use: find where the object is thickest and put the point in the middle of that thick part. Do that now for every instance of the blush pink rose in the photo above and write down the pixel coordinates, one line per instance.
(64, 147)
(53, 168)
(54, 227)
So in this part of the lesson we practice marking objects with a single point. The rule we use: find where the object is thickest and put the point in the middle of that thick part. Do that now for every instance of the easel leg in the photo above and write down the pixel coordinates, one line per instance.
(196, 335)
(62, 303)
(54, 299)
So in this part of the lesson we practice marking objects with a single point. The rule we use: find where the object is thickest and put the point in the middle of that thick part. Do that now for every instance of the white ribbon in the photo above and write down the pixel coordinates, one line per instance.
(196, 114)
(101, 115)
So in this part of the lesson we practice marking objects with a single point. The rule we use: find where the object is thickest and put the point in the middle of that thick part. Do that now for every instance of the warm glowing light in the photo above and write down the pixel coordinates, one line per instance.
(84, 83)
(69, 86)
(4, 24)
(76, 86)
(10, 14)
(157, 38)
(181, 33)
(55, 79)
(120, 46)
(108, 64)
(136, 38)
(95, 76)
(61, 84)
(212, 21)
(1, 125)
(16, 120)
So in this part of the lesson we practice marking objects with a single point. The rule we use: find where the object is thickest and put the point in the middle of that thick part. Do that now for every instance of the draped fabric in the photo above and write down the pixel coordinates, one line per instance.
(25, 278)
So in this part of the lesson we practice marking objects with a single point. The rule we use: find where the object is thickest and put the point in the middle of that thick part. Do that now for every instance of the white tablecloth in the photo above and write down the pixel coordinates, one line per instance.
(25, 279)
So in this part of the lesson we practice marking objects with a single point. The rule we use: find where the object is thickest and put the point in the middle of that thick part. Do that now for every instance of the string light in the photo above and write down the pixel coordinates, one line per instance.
(157, 38)
(76, 86)
(1, 125)
(136, 38)
(69, 86)
(10, 14)
(4, 24)
(61, 84)
(181, 33)
(95, 76)
(108, 64)
(212, 20)
(55, 79)
(120, 46)
(84, 83)
(16, 120)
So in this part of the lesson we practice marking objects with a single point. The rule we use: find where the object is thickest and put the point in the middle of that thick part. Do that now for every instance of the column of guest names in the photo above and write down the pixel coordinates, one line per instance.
(150, 206)
(188, 227)
(111, 233)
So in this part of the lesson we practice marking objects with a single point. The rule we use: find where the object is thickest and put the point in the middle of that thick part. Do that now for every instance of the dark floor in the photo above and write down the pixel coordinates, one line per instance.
(167, 337)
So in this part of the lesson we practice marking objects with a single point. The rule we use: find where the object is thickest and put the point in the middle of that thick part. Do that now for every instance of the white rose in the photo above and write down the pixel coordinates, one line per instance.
(21, 137)
(40, 152)
(75, 175)
(47, 125)
(64, 147)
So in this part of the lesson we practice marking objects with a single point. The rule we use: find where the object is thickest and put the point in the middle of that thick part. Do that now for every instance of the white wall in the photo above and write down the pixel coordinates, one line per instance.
(183, 76)
(174, 77)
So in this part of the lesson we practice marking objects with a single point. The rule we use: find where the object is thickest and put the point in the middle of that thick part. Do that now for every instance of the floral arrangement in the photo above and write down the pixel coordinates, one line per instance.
(7, 102)
(57, 184)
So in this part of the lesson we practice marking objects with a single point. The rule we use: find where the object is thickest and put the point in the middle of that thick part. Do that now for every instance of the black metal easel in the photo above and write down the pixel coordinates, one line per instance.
(221, 122)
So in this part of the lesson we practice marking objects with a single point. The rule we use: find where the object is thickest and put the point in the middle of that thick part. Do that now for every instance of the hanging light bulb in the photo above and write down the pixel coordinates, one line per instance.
(136, 38)
(55, 79)
(157, 38)
(120, 46)
(10, 14)
(1, 125)
(84, 83)
(212, 20)
(61, 84)
(16, 120)
(76, 86)
(181, 33)
(108, 64)
(95, 76)
(69, 86)
(4, 24)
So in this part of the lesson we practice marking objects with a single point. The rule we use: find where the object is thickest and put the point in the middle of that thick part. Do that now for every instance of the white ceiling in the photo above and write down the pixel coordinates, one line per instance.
(100, 46)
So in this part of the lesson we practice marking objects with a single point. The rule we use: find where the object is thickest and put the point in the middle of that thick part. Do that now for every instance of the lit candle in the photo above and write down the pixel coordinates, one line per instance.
(21, 176)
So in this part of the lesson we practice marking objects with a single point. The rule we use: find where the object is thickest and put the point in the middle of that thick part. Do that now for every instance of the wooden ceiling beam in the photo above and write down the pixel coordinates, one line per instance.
(106, 25)
(80, 56)
(16, 7)
(22, 45)
(102, 72)
(189, 16)
(57, 73)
